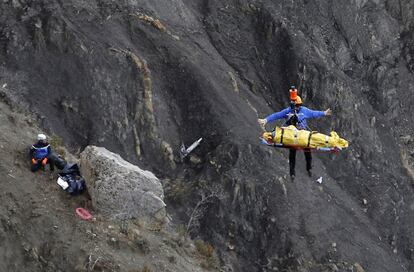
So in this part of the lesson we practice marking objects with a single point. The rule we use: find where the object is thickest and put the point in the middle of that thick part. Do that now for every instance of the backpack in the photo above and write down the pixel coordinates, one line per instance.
(70, 179)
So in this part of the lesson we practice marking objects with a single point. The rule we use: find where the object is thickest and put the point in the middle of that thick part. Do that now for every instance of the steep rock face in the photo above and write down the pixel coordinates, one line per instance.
(120, 189)
(109, 73)
(40, 231)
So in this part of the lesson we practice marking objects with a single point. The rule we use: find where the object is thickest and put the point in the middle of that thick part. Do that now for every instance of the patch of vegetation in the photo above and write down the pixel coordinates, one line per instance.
(177, 191)
(204, 248)
(57, 145)
(172, 259)
(208, 254)
(147, 268)
(248, 9)
(143, 245)
(95, 263)
(182, 231)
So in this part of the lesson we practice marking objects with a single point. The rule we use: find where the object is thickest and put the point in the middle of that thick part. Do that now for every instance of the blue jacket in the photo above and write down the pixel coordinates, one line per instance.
(40, 150)
(303, 113)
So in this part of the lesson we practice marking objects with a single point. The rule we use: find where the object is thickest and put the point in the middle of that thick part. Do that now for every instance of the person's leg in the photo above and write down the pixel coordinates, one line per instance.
(292, 158)
(36, 166)
(51, 165)
(308, 158)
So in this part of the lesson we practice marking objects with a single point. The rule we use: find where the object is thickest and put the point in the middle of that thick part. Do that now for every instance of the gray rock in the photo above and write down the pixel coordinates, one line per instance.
(358, 267)
(120, 189)
(406, 139)
(343, 56)
(16, 4)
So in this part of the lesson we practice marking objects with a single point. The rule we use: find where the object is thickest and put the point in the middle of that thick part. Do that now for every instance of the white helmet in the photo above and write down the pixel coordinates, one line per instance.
(41, 137)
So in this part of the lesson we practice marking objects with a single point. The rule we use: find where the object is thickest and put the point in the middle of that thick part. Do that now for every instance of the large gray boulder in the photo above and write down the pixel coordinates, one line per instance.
(120, 189)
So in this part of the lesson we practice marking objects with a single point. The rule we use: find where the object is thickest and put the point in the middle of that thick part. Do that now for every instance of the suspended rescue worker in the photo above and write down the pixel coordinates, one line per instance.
(296, 115)
(40, 154)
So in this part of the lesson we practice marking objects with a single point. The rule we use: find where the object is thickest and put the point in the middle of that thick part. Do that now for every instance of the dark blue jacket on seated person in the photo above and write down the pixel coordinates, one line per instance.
(40, 150)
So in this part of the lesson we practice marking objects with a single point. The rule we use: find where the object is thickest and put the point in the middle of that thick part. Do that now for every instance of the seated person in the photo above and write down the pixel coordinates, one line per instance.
(40, 154)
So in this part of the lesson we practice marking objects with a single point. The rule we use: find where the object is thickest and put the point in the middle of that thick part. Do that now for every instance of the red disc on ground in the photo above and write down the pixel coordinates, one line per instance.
(84, 214)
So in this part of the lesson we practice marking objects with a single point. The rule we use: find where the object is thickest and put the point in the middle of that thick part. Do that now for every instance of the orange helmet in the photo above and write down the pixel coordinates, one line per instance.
(298, 100)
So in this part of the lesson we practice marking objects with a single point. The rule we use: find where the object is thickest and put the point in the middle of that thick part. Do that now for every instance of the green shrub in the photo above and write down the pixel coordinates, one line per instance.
(205, 249)
(182, 231)
(207, 252)
(57, 145)
(177, 191)
(146, 268)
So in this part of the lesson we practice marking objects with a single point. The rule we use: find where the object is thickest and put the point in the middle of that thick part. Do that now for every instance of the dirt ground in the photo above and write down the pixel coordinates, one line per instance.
(39, 230)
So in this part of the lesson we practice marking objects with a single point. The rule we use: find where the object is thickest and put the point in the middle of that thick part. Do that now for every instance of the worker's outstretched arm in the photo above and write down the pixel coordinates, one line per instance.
(274, 116)
(316, 114)
(278, 115)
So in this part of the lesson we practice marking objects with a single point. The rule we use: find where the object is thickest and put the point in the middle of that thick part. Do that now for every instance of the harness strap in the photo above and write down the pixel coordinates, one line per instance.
(281, 137)
(309, 138)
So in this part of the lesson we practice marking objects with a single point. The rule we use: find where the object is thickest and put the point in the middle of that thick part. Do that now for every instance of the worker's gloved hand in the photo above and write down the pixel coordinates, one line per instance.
(328, 112)
(262, 122)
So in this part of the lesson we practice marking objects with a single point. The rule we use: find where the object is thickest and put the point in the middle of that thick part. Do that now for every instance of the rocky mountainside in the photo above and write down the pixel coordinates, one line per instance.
(39, 230)
(141, 77)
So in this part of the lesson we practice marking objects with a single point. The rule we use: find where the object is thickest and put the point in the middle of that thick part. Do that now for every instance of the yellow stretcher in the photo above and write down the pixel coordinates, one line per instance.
(291, 137)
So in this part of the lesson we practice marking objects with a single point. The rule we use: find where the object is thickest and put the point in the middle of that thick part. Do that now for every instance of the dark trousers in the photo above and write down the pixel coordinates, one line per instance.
(292, 160)
(36, 166)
